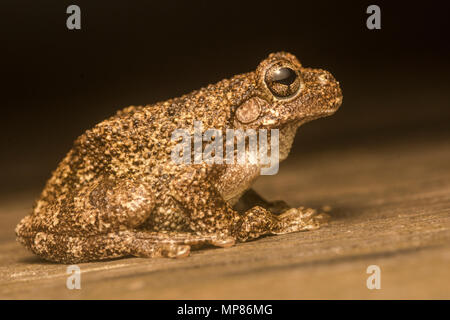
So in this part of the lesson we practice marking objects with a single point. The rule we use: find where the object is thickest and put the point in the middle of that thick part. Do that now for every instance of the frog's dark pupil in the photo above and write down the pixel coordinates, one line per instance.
(284, 76)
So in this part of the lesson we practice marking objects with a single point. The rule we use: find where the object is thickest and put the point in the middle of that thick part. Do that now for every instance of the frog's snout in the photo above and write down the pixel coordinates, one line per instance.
(325, 91)
(331, 89)
(321, 96)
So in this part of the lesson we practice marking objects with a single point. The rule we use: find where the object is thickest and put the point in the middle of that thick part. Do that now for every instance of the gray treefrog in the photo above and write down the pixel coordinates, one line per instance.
(117, 192)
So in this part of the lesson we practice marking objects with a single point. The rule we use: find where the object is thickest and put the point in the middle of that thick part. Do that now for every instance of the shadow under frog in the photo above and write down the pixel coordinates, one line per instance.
(118, 193)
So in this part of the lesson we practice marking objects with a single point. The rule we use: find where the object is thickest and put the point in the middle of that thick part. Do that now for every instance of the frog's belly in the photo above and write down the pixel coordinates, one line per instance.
(236, 180)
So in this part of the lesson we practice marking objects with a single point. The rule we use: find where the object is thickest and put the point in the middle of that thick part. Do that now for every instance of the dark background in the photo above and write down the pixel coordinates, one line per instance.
(57, 83)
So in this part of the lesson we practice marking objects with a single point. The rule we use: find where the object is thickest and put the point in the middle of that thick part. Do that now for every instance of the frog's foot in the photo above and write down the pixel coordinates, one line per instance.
(174, 244)
(259, 221)
(299, 219)
(147, 249)
(74, 249)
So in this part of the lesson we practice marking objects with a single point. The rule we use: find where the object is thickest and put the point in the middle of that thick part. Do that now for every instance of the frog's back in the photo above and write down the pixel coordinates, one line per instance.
(132, 143)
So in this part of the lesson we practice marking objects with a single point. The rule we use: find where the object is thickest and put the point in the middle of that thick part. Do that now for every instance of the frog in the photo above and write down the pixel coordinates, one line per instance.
(118, 193)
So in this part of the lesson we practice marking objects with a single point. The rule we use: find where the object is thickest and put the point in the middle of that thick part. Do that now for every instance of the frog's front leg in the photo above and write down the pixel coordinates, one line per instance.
(210, 213)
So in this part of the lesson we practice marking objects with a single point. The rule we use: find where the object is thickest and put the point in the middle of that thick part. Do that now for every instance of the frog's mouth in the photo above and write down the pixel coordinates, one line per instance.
(314, 112)
(329, 109)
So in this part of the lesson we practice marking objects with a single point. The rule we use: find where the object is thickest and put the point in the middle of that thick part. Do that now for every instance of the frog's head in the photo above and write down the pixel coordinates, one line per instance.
(286, 92)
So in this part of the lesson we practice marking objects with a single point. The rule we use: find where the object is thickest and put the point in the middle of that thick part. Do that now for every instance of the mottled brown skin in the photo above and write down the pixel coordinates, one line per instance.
(117, 192)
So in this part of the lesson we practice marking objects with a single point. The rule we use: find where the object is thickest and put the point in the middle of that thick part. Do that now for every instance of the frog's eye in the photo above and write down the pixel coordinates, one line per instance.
(282, 81)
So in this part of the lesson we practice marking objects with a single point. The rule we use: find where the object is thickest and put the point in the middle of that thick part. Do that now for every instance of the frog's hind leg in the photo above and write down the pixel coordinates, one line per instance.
(74, 249)
(66, 249)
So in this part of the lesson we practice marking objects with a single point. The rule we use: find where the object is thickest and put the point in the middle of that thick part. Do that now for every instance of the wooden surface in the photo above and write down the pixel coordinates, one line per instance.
(390, 207)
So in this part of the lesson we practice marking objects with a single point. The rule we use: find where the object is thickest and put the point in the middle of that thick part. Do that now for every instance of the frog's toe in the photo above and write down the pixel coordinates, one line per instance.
(299, 219)
(225, 242)
(176, 251)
